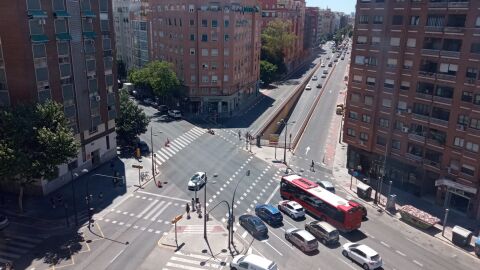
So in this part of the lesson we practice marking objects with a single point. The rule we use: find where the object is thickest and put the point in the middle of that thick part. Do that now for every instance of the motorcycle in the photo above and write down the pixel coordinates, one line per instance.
(211, 131)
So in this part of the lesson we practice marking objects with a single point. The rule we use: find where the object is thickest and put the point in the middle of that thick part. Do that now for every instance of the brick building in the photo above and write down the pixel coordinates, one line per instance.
(63, 50)
(414, 98)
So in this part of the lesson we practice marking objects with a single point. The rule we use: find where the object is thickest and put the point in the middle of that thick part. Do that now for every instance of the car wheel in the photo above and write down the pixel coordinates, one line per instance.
(303, 248)
(233, 268)
(365, 266)
(323, 241)
(345, 253)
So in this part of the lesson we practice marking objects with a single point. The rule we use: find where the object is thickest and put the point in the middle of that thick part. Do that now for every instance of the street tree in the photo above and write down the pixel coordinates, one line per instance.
(157, 76)
(40, 139)
(277, 37)
(131, 121)
(268, 71)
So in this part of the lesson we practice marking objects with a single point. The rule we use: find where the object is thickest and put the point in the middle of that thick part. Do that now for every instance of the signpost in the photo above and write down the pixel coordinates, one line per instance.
(174, 221)
(139, 167)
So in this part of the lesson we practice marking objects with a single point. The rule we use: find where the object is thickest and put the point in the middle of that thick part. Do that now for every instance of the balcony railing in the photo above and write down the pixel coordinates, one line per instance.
(423, 95)
(443, 99)
(450, 54)
(446, 77)
(415, 137)
(413, 157)
(420, 117)
(427, 74)
(452, 29)
(437, 4)
(433, 28)
(458, 4)
(431, 52)
(439, 121)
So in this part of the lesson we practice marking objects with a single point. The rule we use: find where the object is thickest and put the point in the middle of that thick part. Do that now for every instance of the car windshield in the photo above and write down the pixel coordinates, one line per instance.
(312, 242)
(375, 258)
(256, 222)
(195, 178)
(334, 234)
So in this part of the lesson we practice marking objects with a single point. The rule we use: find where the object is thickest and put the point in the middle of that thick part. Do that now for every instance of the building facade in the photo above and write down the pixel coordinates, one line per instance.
(413, 104)
(63, 50)
(311, 36)
(293, 11)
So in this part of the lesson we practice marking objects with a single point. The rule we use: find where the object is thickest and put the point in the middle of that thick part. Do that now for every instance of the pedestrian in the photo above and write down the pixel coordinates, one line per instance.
(239, 135)
(187, 209)
(312, 166)
(193, 204)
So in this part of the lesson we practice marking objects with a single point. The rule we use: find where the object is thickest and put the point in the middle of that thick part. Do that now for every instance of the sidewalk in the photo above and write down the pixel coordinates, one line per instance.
(190, 237)
(343, 178)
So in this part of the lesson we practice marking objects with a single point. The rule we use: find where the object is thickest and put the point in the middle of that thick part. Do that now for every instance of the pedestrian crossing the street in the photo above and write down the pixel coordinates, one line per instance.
(175, 146)
(190, 261)
(15, 245)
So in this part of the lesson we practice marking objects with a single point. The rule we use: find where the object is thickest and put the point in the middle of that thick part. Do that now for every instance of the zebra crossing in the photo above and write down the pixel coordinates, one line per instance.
(190, 261)
(175, 146)
(13, 245)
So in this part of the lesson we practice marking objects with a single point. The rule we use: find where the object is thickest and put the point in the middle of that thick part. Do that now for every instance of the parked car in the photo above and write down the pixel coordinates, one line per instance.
(197, 181)
(327, 185)
(254, 225)
(3, 222)
(324, 75)
(175, 114)
(308, 87)
(163, 109)
(314, 78)
(363, 255)
(165, 118)
(323, 231)
(302, 239)
(269, 213)
(319, 85)
(148, 101)
(292, 209)
(252, 262)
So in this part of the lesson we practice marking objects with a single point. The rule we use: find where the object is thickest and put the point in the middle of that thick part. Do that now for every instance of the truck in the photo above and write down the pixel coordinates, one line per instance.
(417, 217)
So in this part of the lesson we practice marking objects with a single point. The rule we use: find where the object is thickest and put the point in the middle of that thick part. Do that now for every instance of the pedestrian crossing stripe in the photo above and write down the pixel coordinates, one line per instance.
(160, 158)
(165, 152)
(178, 144)
(163, 155)
(180, 139)
(174, 147)
(17, 245)
(190, 136)
(170, 150)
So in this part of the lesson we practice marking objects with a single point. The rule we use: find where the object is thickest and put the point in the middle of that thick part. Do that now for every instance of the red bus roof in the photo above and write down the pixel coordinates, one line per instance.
(319, 192)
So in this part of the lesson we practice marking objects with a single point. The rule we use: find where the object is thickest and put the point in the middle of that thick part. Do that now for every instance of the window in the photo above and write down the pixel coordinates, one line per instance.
(372, 61)
(405, 85)
(193, 78)
(355, 97)
(467, 96)
(371, 81)
(361, 40)
(214, 52)
(351, 132)
(33, 4)
(214, 23)
(450, 69)
(63, 48)
(363, 19)
(214, 78)
(436, 20)
(472, 73)
(411, 42)
(226, 37)
(463, 120)
(204, 52)
(39, 50)
(381, 140)
(366, 118)
(60, 26)
(475, 48)
(397, 20)
(103, 5)
(414, 20)
(477, 22)
(205, 23)
(192, 37)
(377, 19)
(399, 125)
(205, 66)
(389, 83)
(192, 22)
(458, 142)
(402, 105)
(395, 41)
(475, 123)
(368, 100)
(226, 23)
(204, 37)
(192, 51)
(408, 64)
(396, 144)
(353, 115)
(467, 169)
(225, 78)
(385, 123)
(391, 62)
(58, 5)
(42, 74)
(363, 136)
(375, 40)
(226, 52)
(387, 103)
(359, 60)
(476, 99)
(357, 78)
(204, 79)
(104, 26)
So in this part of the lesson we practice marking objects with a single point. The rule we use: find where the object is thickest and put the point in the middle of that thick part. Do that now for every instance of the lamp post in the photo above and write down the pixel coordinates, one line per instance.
(231, 216)
(205, 208)
(286, 123)
(153, 155)
(75, 175)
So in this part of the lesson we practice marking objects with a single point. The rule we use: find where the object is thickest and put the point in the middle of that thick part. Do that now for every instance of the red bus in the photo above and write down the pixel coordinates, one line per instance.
(320, 203)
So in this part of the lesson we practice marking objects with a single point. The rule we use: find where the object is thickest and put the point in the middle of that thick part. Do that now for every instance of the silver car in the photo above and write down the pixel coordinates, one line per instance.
(363, 255)
(292, 209)
(302, 239)
(197, 181)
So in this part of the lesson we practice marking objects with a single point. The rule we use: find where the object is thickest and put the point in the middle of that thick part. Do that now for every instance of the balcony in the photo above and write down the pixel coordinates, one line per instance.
(413, 157)
(463, 4)
(433, 28)
(450, 54)
(470, 81)
(447, 77)
(415, 137)
(427, 74)
(439, 121)
(451, 29)
(423, 95)
(420, 117)
(442, 99)
(431, 52)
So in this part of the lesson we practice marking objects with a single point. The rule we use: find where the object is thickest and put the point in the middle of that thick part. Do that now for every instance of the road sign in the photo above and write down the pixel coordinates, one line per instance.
(273, 139)
(176, 219)
(137, 166)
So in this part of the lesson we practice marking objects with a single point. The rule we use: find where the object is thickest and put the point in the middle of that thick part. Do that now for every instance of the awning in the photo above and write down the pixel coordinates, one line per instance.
(64, 36)
(90, 35)
(88, 14)
(453, 184)
(39, 38)
(61, 14)
(37, 14)
(363, 186)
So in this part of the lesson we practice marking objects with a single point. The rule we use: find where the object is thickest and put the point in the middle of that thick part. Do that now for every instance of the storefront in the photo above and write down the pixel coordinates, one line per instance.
(456, 196)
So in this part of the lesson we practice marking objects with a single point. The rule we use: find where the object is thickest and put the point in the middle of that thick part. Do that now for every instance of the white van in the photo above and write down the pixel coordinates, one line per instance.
(252, 262)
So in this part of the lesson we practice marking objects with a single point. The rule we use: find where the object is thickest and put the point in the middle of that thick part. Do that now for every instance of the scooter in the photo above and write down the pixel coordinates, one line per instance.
(211, 131)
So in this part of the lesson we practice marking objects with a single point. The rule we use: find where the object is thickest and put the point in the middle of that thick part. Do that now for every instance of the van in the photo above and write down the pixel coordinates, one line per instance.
(327, 185)
(252, 262)
(326, 233)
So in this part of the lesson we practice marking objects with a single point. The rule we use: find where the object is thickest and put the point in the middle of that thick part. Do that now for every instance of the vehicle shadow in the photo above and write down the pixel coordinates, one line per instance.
(333, 246)
(354, 236)
(312, 253)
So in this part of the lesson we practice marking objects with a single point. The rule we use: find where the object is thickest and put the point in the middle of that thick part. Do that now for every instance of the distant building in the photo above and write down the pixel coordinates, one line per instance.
(414, 101)
(326, 23)
(311, 36)
(64, 51)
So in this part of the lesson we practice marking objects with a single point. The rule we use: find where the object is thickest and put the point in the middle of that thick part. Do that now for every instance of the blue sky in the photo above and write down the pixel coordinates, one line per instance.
(346, 6)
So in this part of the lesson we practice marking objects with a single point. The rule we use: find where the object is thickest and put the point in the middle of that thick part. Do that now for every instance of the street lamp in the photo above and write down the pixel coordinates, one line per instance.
(153, 155)
(286, 123)
(231, 217)
(73, 176)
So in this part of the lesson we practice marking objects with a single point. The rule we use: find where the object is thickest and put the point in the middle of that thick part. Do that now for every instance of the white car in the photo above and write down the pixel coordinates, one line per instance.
(314, 78)
(362, 254)
(3, 222)
(322, 65)
(308, 87)
(197, 181)
(175, 114)
(252, 261)
(292, 209)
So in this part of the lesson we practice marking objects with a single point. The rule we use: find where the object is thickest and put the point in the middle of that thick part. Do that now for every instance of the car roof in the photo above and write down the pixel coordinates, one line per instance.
(269, 207)
(294, 204)
(324, 225)
(367, 250)
(255, 218)
(303, 233)
(326, 183)
(257, 260)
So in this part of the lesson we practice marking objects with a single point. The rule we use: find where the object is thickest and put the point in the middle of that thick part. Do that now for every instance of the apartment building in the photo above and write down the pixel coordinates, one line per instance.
(63, 50)
(311, 36)
(414, 98)
(293, 11)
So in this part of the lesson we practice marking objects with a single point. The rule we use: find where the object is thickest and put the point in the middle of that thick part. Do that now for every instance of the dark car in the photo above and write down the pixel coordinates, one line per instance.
(361, 207)
(163, 109)
(165, 118)
(144, 149)
(253, 225)
(3, 222)
(269, 213)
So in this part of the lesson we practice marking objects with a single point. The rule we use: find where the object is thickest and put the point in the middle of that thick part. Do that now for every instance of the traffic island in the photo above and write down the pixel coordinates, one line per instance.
(189, 237)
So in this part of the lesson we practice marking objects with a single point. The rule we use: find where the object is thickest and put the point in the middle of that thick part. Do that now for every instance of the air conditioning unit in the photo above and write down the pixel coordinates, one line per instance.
(97, 98)
(461, 127)
(405, 129)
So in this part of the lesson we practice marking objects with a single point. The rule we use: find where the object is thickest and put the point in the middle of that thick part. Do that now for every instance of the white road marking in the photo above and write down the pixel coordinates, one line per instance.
(147, 208)
(114, 258)
(401, 253)
(385, 244)
(151, 212)
(244, 234)
(163, 196)
(274, 248)
(417, 263)
(273, 193)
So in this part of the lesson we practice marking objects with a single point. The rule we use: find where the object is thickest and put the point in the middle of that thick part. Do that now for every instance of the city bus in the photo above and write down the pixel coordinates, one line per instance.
(321, 203)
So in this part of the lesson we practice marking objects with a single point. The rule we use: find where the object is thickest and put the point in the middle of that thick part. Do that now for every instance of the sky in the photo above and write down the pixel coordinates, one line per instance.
(347, 6)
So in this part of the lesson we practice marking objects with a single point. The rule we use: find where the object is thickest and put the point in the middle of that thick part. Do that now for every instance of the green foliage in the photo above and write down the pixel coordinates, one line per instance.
(268, 71)
(342, 33)
(131, 121)
(157, 76)
(276, 39)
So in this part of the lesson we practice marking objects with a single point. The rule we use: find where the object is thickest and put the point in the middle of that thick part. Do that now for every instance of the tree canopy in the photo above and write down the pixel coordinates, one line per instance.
(157, 76)
(268, 71)
(131, 121)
